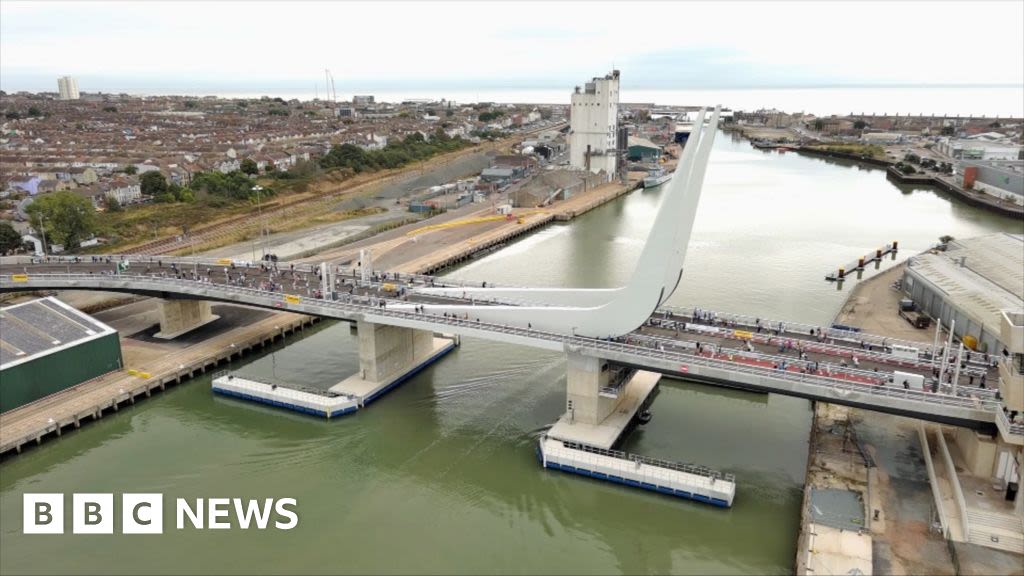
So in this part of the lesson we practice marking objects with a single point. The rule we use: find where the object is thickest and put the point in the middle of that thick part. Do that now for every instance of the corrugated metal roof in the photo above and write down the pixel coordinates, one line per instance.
(990, 280)
(40, 327)
(644, 142)
(997, 257)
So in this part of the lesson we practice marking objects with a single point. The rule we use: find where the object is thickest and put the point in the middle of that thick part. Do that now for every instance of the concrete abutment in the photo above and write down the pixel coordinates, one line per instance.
(179, 317)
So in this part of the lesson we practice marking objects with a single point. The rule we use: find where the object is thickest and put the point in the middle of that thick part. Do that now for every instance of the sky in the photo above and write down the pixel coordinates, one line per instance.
(195, 47)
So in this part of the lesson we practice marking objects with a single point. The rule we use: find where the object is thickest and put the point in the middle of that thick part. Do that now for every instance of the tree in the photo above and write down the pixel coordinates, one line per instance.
(13, 115)
(818, 125)
(34, 112)
(490, 115)
(66, 217)
(153, 183)
(130, 169)
(190, 104)
(110, 108)
(860, 124)
(10, 239)
(234, 185)
(113, 205)
(947, 131)
(248, 166)
(185, 195)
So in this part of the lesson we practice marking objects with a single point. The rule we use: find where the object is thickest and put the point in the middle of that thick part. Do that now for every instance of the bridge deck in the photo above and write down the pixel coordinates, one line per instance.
(227, 283)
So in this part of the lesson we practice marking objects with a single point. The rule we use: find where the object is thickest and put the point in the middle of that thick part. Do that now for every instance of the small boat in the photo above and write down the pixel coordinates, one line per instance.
(656, 177)
(645, 417)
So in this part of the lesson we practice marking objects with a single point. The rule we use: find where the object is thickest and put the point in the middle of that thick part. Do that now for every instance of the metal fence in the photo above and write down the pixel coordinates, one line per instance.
(694, 469)
(346, 311)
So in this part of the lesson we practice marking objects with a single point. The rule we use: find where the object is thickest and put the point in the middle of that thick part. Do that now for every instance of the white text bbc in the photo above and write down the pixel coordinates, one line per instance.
(144, 513)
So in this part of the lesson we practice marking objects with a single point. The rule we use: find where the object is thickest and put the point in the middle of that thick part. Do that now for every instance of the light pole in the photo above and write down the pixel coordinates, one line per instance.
(192, 243)
(42, 232)
(259, 208)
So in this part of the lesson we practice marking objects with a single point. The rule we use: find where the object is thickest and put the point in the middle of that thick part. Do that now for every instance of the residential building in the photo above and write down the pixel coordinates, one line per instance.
(84, 176)
(68, 88)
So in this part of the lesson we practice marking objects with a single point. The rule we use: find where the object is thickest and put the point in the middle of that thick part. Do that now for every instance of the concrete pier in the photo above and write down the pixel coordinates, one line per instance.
(388, 356)
(178, 317)
(598, 414)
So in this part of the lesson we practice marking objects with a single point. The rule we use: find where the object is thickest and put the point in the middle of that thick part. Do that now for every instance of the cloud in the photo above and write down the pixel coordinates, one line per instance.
(185, 46)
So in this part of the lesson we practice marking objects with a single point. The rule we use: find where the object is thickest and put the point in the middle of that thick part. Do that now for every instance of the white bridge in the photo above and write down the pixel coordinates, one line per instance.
(396, 336)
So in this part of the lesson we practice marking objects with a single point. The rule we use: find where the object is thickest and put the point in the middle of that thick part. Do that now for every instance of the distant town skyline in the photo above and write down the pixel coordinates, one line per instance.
(267, 47)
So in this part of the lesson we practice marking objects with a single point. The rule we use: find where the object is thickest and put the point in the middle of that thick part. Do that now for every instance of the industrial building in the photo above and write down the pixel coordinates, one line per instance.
(47, 346)
(593, 125)
(979, 283)
(972, 282)
(643, 150)
(1002, 179)
(980, 148)
(68, 88)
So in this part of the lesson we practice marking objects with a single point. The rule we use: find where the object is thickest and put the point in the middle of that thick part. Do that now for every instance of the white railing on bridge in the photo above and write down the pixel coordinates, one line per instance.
(829, 366)
(345, 310)
(850, 336)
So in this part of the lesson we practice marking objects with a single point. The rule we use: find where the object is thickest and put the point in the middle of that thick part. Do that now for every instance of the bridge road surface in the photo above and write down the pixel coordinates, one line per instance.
(664, 325)
(666, 328)
(963, 410)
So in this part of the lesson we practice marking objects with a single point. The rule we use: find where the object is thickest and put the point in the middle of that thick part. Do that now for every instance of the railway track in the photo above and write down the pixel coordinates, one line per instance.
(246, 222)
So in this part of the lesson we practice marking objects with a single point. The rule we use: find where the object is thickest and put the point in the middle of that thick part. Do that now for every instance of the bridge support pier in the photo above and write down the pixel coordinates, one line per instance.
(584, 378)
(388, 356)
(596, 413)
(178, 317)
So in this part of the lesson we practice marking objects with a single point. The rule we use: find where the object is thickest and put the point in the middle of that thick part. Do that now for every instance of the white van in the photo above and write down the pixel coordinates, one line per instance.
(914, 381)
(905, 352)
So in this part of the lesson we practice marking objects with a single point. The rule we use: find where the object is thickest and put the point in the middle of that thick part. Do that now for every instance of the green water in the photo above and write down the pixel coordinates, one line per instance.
(440, 474)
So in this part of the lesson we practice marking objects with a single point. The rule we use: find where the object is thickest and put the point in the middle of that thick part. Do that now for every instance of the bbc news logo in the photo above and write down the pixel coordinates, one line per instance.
(144, 513)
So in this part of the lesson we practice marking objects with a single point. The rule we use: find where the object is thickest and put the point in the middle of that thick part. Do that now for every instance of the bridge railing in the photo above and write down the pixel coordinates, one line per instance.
(839, 337)
(345, 309)
(831, 367)
(873, 354)
(695, 469)
(1006, 426)
(849, 336)
(831, 383)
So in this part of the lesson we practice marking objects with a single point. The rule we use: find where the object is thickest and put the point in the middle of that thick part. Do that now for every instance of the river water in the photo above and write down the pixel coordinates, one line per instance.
(440, 475)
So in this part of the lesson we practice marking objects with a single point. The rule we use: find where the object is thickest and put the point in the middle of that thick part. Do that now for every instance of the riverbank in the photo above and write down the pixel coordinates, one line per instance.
(871, 458)
(422, 248)
(878, 459)
(971, 197)
(150, 366)
(945, 183)
(873, 306)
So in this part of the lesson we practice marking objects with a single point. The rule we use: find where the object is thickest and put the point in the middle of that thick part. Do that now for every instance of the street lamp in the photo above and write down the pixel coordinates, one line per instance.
(259, 207)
